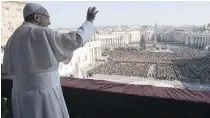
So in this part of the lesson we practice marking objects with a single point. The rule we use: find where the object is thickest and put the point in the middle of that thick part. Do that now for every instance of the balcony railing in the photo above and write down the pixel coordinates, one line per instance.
(102, 99)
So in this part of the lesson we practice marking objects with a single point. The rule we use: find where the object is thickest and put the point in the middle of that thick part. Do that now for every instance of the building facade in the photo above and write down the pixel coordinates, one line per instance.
(11, 18)
(179, 35)
(83, 60)
(198, 39)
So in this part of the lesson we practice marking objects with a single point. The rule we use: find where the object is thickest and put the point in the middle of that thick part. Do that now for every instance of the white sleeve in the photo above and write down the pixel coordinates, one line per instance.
(86, 31)
(64, 44)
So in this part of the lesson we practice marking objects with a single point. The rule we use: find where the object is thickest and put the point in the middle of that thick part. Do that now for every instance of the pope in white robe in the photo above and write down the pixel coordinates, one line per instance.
(32, 56)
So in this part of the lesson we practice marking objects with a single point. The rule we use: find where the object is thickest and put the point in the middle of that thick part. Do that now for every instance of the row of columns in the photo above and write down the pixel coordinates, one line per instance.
(79, 63)
(95, 53)
(198, 41)
(112, 41)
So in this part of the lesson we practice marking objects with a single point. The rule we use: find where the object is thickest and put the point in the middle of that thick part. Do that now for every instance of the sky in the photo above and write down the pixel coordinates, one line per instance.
(69, 14)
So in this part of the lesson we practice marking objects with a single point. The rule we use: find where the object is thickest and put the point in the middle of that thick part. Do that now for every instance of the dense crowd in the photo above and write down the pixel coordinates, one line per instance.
(124, 69)
(197, 70)
(191, 63)
(166, 71)
(182, 52)
(160, 57)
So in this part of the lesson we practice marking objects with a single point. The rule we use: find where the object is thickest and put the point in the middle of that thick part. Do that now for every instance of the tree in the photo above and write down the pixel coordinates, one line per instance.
(143, 43)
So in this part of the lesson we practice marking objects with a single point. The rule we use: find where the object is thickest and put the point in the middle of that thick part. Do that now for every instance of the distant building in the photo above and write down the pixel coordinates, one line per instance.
(207, 27)
(198, 39)
(179, 35)
(113, 40)
(83, 59)
(166, 36)
(135, 36)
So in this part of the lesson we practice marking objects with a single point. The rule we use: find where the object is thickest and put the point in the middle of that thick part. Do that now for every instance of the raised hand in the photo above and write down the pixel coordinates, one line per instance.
(91, 13)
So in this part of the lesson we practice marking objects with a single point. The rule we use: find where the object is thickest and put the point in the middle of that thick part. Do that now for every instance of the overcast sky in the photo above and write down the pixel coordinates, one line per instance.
(73, 14)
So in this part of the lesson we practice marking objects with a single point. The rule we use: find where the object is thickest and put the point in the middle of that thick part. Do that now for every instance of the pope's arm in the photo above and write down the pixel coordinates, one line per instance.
(64, 44)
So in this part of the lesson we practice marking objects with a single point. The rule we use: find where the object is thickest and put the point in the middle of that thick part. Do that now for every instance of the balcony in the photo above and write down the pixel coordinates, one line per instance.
(102, 99)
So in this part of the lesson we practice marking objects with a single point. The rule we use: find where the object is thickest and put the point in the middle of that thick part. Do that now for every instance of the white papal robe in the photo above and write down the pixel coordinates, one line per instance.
(32, 56)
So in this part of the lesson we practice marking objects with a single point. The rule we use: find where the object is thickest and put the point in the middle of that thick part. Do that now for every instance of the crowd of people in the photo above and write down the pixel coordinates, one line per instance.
(124, 69)
(170, 65)
(197, 70)
(145, 56)
(166, 72)
(188, 53)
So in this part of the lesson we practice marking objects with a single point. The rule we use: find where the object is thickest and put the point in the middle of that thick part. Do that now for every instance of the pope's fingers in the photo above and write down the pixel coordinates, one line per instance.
(89, 9)
(93, 9)
(96, 12)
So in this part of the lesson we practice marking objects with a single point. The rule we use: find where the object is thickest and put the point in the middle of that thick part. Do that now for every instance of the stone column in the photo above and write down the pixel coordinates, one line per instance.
(186, 41)
(196, 41)
(93, 55)
(99, 52)
(96, 53)
(201, 38)
(202, 41)
(89, 56)
(206, 40)
(193, 41)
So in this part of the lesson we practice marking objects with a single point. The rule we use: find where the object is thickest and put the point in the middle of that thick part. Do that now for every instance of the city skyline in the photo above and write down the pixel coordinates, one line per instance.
(128, 13)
